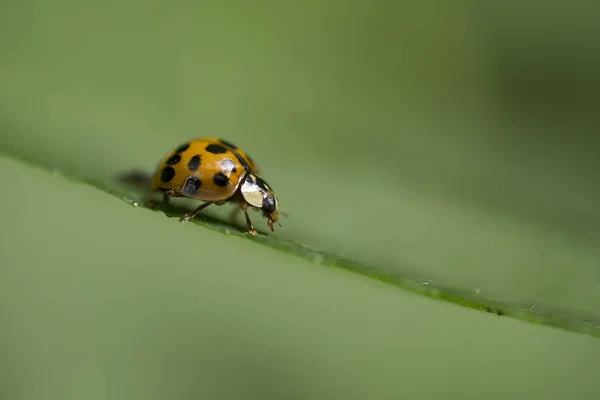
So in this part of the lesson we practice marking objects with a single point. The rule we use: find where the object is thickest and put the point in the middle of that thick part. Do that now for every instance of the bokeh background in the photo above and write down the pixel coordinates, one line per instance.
(453, 140)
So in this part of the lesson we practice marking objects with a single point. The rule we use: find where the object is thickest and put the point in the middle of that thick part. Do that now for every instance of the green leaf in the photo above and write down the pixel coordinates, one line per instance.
(124, 187)
(93, 290)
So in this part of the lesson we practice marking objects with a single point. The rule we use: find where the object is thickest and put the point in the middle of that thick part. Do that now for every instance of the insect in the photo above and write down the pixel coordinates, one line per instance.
(216, 172)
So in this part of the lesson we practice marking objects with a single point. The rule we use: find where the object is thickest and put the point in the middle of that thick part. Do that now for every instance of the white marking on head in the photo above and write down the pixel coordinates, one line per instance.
(252, 193)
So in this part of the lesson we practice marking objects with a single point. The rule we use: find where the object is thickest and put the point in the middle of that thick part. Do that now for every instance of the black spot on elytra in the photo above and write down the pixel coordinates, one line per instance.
(191, 186)
(174, 159)
(182, 148)
(167, 174)
(194, 163)
(229, 144)
(228, 165)
(220, 179)
(216, 149)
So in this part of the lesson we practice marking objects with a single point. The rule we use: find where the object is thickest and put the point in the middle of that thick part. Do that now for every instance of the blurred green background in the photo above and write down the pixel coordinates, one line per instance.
(452, 140)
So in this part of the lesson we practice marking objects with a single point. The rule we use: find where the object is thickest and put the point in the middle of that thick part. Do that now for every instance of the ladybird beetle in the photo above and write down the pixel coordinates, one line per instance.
(216, 172)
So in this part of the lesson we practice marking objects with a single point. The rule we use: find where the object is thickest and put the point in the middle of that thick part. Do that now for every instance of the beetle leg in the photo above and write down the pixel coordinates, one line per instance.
(251, 229)
(192, 214)
(167, 194)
